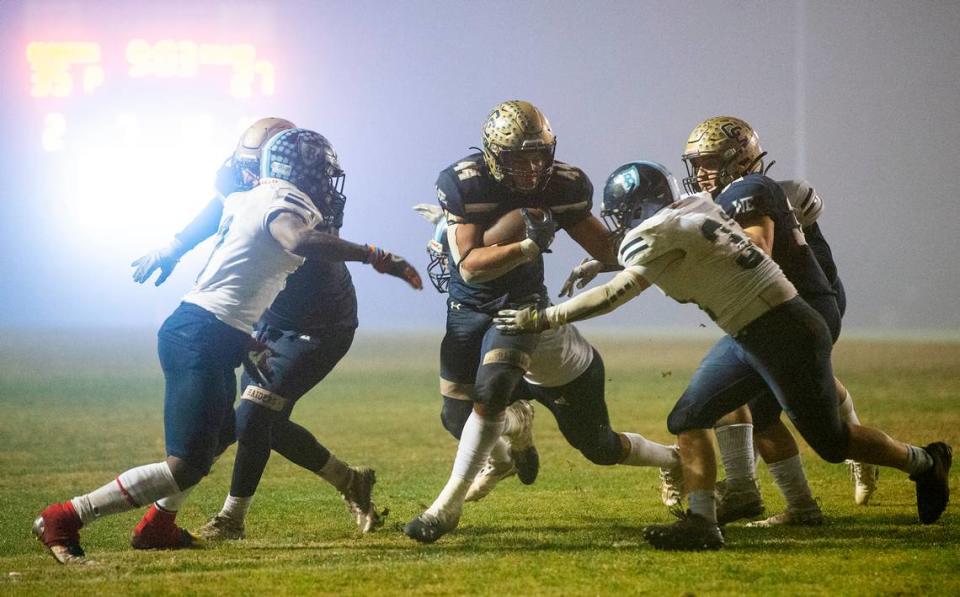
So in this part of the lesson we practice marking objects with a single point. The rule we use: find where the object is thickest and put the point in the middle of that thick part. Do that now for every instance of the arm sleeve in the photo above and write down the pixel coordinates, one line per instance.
(598, 301)
(203, 226)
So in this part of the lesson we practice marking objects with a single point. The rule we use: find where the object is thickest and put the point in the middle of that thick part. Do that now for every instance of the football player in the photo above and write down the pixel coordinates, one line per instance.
(479, 366)
(308, 329)
(567, 376)
(695, 253)
(265, 234)
(724, 158)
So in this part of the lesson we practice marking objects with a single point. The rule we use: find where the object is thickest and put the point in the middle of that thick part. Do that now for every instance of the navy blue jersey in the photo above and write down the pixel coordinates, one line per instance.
(469, 194)
(757, 194)
(319, 294)
(821, 250)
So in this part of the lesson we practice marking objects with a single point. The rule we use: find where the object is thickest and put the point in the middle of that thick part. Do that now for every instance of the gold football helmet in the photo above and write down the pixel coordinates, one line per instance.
(720, 150)
(518, 146)
(253, 139)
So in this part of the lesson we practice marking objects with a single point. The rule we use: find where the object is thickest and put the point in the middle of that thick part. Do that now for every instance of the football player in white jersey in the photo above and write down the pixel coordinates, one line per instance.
(695, 253)
(265, 234)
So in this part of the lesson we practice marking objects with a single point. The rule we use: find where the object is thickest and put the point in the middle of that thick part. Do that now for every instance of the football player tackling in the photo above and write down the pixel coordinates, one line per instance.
(265, 234)
(695, 253)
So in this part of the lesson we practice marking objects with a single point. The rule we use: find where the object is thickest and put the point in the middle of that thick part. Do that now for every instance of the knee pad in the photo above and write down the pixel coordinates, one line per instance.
(254, 423)
(833, 448)
(604, 449)
(454, 415)
(496, 382)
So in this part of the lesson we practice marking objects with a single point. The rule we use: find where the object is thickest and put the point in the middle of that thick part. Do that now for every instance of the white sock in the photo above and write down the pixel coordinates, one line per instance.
(918, 460)
(477, 440)
(790, 479)
(644, 452)
(736, 450)
(134, 488)
(847, 414)
(336, 473)
(173, 503)
(704, 503)
(235, 508)
(500, 453)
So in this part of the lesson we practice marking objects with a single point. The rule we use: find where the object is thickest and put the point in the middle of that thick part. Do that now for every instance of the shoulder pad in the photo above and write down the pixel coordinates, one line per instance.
(461, 188)
(753, 193)
(569, 194)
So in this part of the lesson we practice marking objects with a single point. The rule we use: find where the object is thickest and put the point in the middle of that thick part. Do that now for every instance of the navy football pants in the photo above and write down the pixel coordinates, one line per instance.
(789, 347)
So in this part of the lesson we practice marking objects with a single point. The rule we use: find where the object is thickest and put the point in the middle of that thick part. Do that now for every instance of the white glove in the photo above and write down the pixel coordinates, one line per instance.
(528, 320)
(429, 212)
(581, 275)
(166, 259)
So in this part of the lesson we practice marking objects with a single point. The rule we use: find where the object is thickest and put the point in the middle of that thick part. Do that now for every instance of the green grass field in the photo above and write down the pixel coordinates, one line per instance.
(80, 408)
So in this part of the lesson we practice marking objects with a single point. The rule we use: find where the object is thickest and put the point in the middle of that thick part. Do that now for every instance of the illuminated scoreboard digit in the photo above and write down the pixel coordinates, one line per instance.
(68, 69)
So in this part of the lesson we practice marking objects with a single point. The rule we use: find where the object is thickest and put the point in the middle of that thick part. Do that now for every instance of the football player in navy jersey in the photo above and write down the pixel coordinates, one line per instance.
(567, 376)
(724, 157)
(479, 366)
(307, 329)
(696, 253)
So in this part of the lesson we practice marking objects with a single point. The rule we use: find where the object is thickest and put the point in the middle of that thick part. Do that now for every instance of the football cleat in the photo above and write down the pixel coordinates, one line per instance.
(807, 516)
(671, 485)
(158, 530)
(524, 453)
(358, 499)
(933, 485)
(691, 533)
(864, 480)
(58, 528)
(427, 528)
(734, 503)
(221, 528)
(492, 473)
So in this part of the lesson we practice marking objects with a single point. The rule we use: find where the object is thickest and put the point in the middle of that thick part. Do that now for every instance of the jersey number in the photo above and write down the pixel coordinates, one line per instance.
(748, 258)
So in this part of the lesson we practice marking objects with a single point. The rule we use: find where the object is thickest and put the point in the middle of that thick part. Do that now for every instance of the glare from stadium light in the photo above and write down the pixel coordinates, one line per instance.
(137, 183)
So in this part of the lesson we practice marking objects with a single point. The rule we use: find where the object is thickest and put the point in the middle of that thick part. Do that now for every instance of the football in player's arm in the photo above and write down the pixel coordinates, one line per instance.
(695, 253)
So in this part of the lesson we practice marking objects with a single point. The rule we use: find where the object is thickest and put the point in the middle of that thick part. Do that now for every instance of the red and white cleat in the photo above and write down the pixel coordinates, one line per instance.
(58, 528)
(158, 530)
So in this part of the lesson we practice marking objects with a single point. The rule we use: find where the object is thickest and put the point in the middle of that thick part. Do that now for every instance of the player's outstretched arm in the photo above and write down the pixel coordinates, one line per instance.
(593, 303)
(203, 226)
(294, 235)
(593, 236)
(584, 273)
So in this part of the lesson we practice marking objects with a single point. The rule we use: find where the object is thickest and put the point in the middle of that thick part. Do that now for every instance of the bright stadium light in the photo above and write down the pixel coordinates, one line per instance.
(138, 181)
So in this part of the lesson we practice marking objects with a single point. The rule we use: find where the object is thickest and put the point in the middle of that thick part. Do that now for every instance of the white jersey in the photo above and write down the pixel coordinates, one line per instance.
(561, 356)
(804, 199)
(248, 268)
(695, 253)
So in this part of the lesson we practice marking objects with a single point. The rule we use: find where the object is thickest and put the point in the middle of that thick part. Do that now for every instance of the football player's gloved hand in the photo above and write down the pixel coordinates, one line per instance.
(539, 231)
(166, 259)
(529, 320)
(393, 265)
(429, 212)
(581, 275)
(256, 362)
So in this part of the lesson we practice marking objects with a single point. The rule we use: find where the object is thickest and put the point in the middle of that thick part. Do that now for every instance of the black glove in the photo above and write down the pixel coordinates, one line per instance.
(541, 232)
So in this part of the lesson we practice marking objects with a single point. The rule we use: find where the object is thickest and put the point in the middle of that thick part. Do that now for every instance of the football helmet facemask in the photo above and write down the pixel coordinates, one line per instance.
(437, 268)
(635, 192)
(518, 146)
(246, 156)
(306, 159)
(720, 150)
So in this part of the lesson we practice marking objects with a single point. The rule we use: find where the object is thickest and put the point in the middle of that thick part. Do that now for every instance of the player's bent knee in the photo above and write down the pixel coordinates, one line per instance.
(454, 415)
(833, 448)
(255, 419)
(186, 474)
